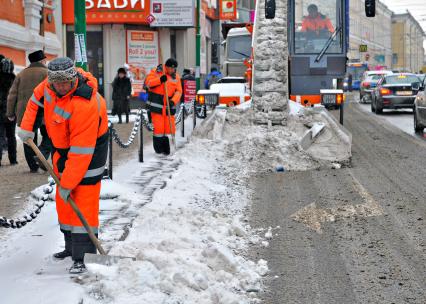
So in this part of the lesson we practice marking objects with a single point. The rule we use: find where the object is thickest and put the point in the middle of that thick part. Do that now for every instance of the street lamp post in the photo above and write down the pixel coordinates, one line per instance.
(198, 48)
(80, 34)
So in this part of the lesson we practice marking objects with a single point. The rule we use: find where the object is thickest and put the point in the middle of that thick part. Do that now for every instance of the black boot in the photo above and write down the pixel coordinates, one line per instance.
(68, 247)
(78, 267)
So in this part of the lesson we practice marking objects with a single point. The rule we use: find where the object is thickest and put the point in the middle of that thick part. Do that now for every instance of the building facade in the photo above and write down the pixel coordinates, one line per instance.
(27, 26)
(374, 33)
(138, 35)
(407, 43)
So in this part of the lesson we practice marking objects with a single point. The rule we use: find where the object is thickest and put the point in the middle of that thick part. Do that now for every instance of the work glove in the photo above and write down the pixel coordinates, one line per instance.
(174, 75)
(24, 135)
(163, 78)
(64, 194)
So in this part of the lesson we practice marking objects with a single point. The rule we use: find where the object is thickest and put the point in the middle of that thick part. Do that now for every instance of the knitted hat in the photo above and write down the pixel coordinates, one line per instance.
(7, 66)
(171, 63)
(61, 70)
(36, 56)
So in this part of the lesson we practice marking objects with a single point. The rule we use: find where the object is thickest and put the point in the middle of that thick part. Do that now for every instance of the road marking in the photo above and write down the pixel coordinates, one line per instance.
(313, 217)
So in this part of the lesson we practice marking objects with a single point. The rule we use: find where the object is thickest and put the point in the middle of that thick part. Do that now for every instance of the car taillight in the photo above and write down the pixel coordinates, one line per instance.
(385, 91)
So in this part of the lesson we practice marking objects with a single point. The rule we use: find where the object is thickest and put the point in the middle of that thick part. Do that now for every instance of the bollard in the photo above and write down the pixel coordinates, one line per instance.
(141, 140)
(342, 106)
(110, 151)
(183, 119)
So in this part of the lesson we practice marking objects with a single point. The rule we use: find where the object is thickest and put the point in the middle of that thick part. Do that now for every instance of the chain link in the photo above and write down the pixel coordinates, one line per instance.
(19, 223)
(132, 134)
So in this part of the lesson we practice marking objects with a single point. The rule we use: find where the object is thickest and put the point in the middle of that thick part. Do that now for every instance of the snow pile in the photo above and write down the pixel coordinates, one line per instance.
(262, 148)
(188, 241)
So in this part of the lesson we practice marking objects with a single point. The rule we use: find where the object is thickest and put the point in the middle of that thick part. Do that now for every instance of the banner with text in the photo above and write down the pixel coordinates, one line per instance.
(142, 56)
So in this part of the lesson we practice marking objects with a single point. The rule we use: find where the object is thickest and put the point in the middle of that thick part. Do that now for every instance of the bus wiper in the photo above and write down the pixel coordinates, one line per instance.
(328, 43)
(242, 54)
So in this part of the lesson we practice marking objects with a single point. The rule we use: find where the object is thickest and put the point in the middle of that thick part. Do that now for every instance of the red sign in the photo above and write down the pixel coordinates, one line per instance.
(189, 90)
(109, 11)
(150, 19)
(228, 9)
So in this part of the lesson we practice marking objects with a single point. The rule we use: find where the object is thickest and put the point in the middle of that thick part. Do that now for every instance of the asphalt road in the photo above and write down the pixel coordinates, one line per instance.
(354, 235)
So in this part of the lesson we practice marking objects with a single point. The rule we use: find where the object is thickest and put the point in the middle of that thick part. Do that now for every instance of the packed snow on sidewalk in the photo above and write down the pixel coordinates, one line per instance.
(181, 217)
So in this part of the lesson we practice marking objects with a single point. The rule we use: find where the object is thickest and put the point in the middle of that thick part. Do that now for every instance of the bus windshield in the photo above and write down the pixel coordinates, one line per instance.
(315, 23)
(239, 47)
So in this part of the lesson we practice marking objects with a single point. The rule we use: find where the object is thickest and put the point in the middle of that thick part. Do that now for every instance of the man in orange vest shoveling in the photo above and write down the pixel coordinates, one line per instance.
(77, 123)
(156, 81)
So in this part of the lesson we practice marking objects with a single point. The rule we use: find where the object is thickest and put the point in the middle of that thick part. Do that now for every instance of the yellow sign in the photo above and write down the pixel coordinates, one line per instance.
(363, 48)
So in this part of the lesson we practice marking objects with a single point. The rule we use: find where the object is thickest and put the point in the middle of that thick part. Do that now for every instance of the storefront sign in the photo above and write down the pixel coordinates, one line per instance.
(227, 9)
(173, 13)
(142, 56)
(189, 90)
(109, 11)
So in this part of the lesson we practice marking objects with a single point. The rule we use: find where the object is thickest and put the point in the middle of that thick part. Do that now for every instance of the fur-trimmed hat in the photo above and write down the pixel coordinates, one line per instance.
(61, 69)
(36, 56)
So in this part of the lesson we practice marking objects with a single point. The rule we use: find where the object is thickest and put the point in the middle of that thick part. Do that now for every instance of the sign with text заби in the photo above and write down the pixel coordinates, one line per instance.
(109, 11)
(142, 56)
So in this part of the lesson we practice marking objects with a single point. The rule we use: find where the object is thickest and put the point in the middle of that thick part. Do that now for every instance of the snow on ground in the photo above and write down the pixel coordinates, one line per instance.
(184, 221)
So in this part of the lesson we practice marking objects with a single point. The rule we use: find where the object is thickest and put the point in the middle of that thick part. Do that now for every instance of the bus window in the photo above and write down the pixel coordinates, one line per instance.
(239, 47)
(315, 23)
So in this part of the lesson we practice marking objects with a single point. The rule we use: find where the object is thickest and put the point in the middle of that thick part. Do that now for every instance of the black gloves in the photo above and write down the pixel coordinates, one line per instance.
(163, 78)
(174, 75)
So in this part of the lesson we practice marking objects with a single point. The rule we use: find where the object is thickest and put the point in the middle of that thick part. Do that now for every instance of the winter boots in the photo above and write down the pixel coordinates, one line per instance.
(68, 247)
(78, 267)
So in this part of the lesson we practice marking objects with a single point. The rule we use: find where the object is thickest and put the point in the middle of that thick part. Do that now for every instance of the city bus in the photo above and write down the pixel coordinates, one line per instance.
(356, 69)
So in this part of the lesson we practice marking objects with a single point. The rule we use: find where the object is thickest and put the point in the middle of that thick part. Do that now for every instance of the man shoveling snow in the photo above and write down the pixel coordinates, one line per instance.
(77, 123)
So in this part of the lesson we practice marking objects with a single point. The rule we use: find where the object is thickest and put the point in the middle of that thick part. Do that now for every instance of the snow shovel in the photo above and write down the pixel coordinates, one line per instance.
(103, 258)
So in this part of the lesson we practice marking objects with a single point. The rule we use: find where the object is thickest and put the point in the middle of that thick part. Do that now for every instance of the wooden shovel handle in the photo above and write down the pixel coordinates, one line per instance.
(74, 206)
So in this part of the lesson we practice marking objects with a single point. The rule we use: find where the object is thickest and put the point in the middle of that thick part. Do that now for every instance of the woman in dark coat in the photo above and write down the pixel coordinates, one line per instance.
(121, 91)
(7, 127)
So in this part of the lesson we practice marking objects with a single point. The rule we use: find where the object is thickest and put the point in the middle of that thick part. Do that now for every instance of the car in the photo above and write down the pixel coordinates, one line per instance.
(420, 109)
(368, 81)
(395, 91)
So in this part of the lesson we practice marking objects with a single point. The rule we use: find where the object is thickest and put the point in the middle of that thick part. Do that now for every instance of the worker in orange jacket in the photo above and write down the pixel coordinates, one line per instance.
(77, 123)
(157, 103)
(316, 22)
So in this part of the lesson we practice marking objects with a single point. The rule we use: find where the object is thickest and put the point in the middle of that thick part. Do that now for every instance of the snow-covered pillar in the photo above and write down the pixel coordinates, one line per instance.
(270, 66)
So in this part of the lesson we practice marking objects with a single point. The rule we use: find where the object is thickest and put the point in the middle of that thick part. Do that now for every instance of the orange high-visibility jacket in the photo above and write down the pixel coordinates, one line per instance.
(317, 24)
(77, 124)
(156, 94)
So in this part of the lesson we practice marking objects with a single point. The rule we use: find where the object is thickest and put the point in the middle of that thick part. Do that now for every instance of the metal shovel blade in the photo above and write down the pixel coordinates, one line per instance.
(106, 260)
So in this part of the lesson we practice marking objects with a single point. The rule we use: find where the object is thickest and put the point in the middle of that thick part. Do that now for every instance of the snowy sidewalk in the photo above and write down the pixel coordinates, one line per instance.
(181, 217)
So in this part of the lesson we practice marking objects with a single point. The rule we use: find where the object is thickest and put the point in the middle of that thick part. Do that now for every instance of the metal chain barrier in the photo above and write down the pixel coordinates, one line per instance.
(21, 222)
(132, 134)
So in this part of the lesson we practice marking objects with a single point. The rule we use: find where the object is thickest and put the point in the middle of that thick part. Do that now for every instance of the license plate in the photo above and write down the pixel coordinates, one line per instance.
(211, 100)
(404, 93)
(328, 99)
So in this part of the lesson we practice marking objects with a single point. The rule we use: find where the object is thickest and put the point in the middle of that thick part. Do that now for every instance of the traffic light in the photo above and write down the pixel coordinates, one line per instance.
(370, 8)
(269, 9)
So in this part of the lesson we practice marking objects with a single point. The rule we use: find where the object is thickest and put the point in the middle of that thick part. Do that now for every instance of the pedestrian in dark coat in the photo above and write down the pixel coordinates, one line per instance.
(7, 127)
(121, 91)
(19, 95)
